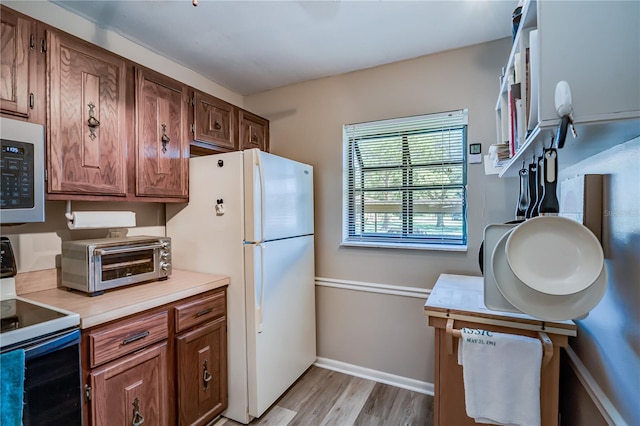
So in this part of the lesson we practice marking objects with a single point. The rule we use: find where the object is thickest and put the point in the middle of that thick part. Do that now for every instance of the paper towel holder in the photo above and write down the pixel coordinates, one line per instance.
(96, 219)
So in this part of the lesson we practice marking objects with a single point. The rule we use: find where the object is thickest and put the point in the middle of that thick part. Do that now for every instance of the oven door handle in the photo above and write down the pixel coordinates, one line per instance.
(54, 344)
(117, 250)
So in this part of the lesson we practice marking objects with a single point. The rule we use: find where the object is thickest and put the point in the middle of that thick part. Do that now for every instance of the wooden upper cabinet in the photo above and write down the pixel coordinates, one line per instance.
(17, 63)
(162, 138)
(215, 122)
(254, 131)
(86, 129)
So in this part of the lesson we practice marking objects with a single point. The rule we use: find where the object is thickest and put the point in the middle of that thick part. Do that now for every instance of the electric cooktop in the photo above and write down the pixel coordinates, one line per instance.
(23, 320)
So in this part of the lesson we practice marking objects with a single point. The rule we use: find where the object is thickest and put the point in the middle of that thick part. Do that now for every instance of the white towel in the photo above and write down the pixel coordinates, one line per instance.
(501, 374)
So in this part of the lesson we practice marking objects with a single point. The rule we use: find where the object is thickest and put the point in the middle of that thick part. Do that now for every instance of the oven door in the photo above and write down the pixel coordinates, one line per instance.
(52, 384)
(119, 266)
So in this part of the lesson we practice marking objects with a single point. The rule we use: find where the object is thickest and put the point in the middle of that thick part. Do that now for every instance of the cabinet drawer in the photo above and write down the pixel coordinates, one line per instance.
(200, 310)
(126, 336)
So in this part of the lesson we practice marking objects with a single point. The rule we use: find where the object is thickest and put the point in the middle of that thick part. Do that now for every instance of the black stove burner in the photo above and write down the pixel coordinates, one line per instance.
(18, 314)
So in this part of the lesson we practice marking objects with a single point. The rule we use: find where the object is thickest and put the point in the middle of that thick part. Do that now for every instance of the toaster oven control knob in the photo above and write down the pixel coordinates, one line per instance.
(165, 255)
(165, 266)
(165, 244)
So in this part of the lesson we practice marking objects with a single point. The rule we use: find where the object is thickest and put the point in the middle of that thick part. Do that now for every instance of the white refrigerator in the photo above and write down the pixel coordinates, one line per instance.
(250, 216)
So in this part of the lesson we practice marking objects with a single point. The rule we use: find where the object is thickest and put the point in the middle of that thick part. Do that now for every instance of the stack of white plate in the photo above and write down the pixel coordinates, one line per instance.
(549, 267)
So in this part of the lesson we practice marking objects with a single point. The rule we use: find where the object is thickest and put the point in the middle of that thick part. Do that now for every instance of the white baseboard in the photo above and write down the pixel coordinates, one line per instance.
(377, 376)
(600, 400)
(394, 290)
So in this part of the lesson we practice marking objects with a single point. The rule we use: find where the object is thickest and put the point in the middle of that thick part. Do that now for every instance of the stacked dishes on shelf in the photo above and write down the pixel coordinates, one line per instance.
(549, 267)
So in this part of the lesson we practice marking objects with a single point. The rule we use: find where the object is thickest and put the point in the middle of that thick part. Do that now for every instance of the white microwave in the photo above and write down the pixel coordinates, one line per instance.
(22, 171)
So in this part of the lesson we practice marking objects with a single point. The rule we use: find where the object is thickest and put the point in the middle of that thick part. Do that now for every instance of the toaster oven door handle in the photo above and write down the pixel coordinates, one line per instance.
(127, 249)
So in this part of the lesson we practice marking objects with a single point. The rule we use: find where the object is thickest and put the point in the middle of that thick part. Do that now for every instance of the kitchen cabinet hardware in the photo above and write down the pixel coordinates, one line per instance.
(32, 101)
(165, 139)
(206, 376)
(134, 338)
(92, 122)
(138, 418)
(204, 312)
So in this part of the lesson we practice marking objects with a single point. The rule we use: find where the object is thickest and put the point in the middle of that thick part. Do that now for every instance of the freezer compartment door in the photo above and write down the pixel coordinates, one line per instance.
(278, 197)
(281, 332)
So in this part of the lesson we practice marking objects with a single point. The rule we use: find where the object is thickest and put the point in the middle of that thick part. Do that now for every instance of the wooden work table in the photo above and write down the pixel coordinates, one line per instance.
(457, 301)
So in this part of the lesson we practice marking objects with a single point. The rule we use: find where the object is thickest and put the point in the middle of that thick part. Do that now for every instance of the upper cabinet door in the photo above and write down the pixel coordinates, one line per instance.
(162, 143)
(87, 138)
(215, 122)
(17, 35)
(254, 131)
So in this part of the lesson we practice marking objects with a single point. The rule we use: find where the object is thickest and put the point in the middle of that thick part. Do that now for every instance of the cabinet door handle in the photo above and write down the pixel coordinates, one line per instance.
(138, 418)
(32, 101)
(206, 376)
(92, 122)
(165, 139)
(204, 312)
(217, 126)
(134, 338)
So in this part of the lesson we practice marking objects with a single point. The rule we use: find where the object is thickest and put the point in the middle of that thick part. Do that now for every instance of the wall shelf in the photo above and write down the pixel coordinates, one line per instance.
(595, 47)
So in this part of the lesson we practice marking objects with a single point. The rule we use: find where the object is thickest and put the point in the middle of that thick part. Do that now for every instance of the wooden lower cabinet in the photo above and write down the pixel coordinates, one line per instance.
(202, 373)
(164, 366)
(132, 390)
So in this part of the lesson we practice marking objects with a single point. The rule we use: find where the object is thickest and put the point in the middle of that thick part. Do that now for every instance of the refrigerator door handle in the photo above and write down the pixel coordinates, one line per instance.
(260, 305)
(261, 181)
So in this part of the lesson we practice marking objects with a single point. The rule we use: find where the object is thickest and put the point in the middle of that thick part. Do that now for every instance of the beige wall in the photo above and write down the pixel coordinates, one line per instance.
(387, 332)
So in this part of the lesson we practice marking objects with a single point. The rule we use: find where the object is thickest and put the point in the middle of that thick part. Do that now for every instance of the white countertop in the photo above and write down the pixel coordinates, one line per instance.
(462, 297)
(121, 302)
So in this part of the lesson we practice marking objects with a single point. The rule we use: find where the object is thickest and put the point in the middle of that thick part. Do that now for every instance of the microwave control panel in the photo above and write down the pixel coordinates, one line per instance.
(17, 175)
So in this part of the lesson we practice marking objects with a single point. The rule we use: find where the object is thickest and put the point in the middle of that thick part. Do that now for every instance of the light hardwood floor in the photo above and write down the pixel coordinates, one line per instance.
(326, 397)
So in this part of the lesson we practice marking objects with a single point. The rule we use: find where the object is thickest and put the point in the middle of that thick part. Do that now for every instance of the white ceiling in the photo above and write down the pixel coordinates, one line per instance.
(252, 46)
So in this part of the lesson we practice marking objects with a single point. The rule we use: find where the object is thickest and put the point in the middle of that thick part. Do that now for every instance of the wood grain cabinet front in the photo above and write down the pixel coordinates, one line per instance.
(86, 137)
(215, 123)
(167, 365)
(254, 131)
(202, 373)
(132, 390)
(123, 337)
(162, 142)
(17, 63)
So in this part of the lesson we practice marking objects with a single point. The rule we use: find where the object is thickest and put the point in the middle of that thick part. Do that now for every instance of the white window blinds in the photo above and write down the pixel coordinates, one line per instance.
(405, 181)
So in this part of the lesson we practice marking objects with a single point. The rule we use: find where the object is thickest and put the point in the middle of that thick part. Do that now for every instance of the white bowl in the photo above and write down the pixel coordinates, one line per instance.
(554, 255)
(541, 305)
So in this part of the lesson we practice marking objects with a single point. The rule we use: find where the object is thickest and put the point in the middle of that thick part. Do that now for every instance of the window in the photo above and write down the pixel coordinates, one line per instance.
(405, 182)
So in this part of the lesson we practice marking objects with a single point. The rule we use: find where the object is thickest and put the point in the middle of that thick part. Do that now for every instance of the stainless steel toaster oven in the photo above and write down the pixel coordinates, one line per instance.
(93, 266)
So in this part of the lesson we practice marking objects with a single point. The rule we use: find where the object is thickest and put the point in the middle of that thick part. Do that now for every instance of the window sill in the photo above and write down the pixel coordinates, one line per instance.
(430, 247)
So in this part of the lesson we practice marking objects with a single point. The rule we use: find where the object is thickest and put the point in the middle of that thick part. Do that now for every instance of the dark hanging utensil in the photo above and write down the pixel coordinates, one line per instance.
(533, 184)
(523, 197)
(561, 133)
(539, 186)
(549, 204)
